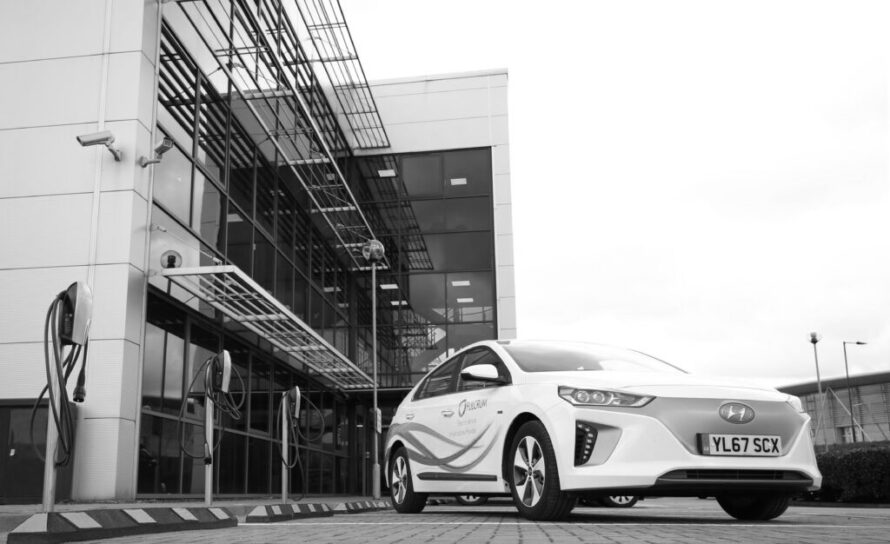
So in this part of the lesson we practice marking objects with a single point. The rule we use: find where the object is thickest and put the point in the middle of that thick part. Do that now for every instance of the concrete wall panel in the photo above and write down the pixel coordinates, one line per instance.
(50, 92)
(439, 83)
(45, 161)
(103, 466)
(50, 28)
(45, 231)
(503, 191)
(503, 219)
(29, 292)
(462, 104)
(111, 380)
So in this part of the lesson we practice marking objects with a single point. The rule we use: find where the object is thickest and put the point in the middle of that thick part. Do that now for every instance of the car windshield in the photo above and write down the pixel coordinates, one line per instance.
(564, 357)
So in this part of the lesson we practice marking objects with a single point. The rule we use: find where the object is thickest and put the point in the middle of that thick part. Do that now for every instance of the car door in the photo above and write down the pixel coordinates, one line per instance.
(481, 421)
(430, 417)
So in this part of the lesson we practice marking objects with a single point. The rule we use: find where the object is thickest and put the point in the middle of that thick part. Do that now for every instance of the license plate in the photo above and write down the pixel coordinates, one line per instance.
(741, 444)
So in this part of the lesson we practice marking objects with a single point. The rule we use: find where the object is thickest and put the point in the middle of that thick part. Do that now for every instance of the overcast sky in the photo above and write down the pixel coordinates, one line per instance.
(704, 181)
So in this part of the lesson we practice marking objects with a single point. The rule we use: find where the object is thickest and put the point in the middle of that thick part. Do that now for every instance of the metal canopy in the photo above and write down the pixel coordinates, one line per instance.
(331, 39)
(232, 292)
(256, 47)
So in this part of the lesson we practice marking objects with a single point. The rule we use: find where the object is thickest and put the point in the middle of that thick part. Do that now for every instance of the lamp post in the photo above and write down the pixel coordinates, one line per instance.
(373, 252)
(814, 339)
(849, 389)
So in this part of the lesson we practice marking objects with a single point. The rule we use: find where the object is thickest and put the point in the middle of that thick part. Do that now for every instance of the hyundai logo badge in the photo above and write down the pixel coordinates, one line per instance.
(736, 412)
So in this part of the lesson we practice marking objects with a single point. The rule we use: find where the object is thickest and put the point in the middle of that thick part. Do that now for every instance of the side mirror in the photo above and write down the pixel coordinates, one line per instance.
(481, 373)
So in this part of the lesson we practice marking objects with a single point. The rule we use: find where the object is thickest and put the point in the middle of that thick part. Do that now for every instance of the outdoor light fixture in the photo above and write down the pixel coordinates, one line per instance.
(399, 302)
(165, 145)
(814, 339)
(458, 181)
(388, 286)
(467, 300)
(388, 173)
(105, 138)
(460, 283)
(373, 252)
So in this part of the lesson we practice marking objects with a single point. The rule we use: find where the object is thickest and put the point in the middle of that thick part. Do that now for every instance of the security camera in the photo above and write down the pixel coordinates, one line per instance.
(171, 259)
(165, 145)
(96, 138)
(105, 138)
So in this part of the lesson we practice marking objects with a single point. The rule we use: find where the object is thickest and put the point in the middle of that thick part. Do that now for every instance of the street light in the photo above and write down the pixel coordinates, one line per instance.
(373, 251)
(814, 339)
(849, 389)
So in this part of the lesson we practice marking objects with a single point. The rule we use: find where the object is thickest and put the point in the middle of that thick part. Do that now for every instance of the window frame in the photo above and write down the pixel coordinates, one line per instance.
(500, 365)
(454, 364)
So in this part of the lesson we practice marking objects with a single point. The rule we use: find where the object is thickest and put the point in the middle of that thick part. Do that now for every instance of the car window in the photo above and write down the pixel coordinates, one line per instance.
(441, 381)
(562, 357)
(482, 356)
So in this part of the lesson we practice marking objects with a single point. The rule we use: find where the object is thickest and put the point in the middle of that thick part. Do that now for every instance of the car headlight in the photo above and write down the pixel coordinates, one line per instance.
(795, 403)
(601, 397)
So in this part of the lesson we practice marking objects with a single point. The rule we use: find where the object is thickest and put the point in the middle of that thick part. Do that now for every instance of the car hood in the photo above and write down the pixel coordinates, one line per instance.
(660, 385)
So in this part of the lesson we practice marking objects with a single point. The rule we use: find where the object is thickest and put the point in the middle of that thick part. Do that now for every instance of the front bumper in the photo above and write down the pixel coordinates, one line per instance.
(636, 452)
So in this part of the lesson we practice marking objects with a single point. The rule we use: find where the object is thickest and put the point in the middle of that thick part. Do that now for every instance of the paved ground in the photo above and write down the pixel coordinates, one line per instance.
(659, 521)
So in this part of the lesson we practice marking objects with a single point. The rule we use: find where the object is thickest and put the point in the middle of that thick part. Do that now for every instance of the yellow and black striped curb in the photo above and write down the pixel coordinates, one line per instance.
(358, 507)
(283, 512)
(97, 524)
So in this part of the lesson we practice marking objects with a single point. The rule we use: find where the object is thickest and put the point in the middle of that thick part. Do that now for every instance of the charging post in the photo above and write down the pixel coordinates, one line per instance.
(52, 445)
(208, 446)
(67, 324)
(285, 469)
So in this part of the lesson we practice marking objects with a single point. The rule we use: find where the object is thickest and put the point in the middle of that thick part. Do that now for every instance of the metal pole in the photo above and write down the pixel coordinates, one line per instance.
(375, 468)
(208, 450)
(849, 395)
(814, 338)
(52, 445)
(285, 470)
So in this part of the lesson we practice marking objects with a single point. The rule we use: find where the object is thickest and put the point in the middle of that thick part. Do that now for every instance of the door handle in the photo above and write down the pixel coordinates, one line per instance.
(447, 413)
(409, 416)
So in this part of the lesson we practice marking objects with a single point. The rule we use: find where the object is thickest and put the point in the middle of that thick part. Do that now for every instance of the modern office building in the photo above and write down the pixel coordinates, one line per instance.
(833, 420)
(246, 235)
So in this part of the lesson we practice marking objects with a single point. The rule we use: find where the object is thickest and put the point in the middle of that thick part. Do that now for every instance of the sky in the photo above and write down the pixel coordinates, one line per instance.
(704, 181)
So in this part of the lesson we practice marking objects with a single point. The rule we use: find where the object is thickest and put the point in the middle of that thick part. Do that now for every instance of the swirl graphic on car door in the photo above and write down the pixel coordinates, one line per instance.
(416, 437)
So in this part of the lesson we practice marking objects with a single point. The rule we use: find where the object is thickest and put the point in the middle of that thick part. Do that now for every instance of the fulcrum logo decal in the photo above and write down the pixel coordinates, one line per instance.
(470, 405)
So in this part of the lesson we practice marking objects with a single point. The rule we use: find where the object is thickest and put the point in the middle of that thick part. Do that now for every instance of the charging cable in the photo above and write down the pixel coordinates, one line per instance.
(223, 400)
(295, 433)
(63, 366)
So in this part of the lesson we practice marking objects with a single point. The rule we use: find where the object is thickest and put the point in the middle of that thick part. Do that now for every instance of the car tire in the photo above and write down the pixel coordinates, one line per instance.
(754, 508)
(401, 489)
(471, 500)
(533, 475)
(619, 501)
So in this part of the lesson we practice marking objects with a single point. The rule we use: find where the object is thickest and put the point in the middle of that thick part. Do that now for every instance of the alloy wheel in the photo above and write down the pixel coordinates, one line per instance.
(399, 474)
(528, 471)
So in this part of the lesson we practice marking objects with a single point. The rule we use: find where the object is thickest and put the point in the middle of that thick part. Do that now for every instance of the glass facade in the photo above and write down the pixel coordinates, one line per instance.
(871, 411)
(225, 195)
(436, 213)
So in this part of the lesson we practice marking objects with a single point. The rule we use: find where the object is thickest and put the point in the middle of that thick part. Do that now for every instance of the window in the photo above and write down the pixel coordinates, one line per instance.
(441, 381)
(482, 356)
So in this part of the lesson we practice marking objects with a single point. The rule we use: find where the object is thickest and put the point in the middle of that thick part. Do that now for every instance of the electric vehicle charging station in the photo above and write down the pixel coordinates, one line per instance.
(289, 413)
(67, 323)
(217, 373)
(290, 417)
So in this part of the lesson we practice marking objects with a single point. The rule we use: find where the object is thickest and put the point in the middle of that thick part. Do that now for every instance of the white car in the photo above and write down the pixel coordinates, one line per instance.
(550, 422)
